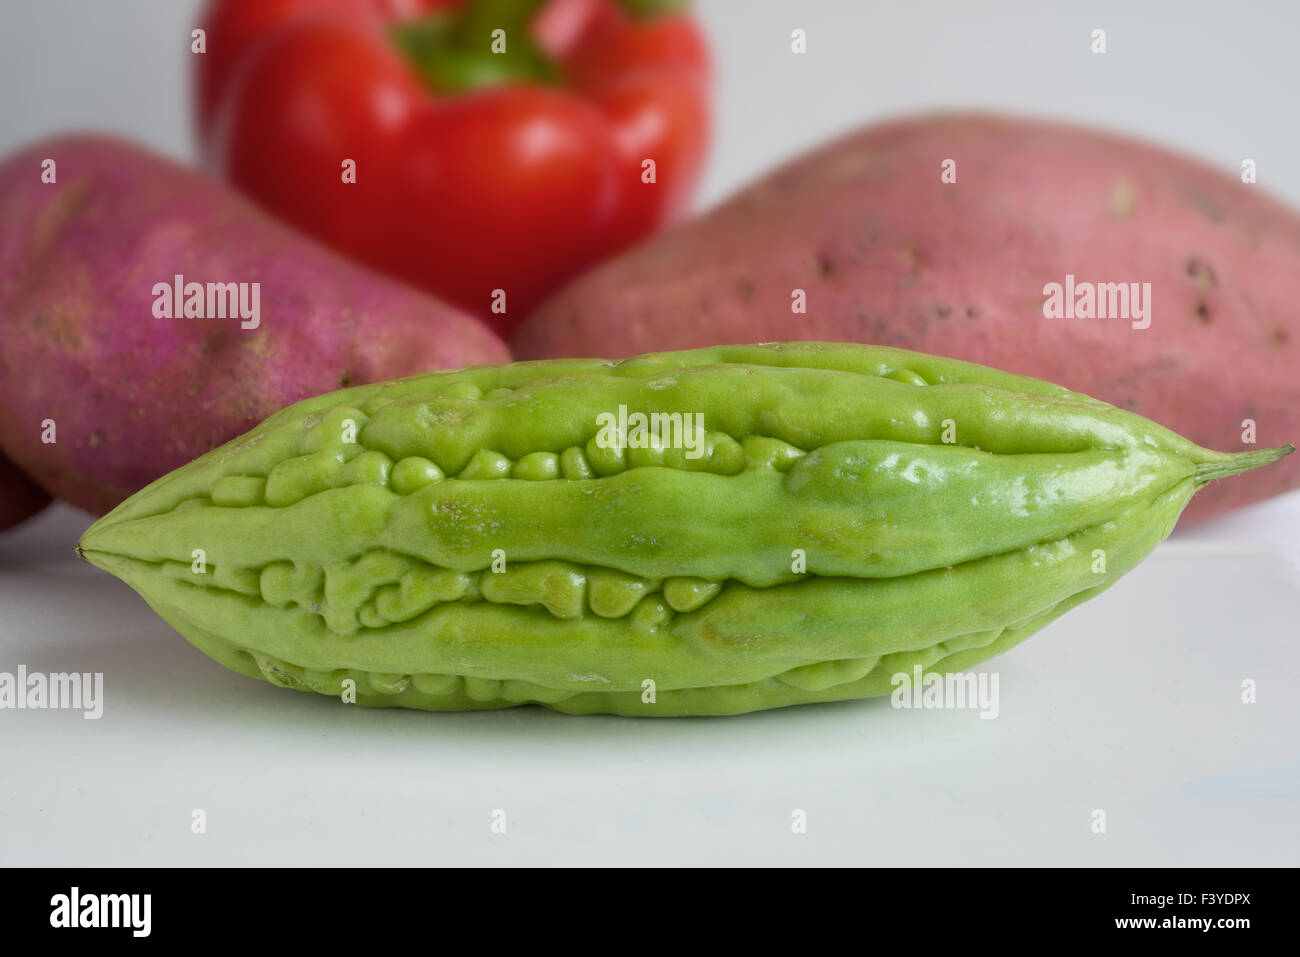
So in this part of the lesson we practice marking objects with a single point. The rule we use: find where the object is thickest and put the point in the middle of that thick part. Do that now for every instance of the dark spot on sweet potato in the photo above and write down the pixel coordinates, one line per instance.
(825, 266)
(972, 312)
(746, 290)
(96, 439)
(1208, 206)
(1278, 338)
(1201, 271)
(1202, 311)
(941, 311)
(345, 380)
(60, 327)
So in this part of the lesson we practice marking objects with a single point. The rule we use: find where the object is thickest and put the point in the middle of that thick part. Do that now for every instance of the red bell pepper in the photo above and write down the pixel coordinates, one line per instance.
(477, 173)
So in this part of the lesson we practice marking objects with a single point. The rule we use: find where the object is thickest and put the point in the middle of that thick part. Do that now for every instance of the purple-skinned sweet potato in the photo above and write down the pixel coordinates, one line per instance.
(90, 359)
(888, 253)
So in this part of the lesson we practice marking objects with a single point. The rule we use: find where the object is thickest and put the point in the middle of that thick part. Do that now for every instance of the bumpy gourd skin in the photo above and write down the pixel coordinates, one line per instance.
(368, 554)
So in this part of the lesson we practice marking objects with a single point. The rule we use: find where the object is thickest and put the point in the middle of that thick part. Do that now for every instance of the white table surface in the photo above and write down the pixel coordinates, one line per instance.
(1130, 704)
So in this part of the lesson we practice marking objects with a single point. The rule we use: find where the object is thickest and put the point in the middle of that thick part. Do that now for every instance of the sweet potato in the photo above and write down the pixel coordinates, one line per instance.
(91, 361)
(20, 497)
(887, 253)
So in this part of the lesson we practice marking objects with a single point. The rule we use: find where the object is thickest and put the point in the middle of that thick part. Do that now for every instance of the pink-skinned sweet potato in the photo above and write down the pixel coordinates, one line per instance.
(888, 253)
(20, 497)
(90, 360)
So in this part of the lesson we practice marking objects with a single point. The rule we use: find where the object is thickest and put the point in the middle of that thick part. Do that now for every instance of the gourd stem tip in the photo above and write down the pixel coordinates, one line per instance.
(1240, 462)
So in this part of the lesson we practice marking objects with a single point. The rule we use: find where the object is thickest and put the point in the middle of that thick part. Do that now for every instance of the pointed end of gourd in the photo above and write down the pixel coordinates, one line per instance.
(119, 566)
(1240, 462)
(95, 558)
(87, 548)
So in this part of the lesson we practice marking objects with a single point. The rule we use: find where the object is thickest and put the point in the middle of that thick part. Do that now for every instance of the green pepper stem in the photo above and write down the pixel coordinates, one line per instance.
(648, 9)
(1240, 462)
(451, 50)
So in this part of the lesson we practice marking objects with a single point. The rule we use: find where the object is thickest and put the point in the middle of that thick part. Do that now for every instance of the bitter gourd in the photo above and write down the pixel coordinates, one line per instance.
(474, 539)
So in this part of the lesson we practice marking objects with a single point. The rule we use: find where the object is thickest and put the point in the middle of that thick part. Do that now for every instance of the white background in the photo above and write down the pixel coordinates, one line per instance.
(1130, 704)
